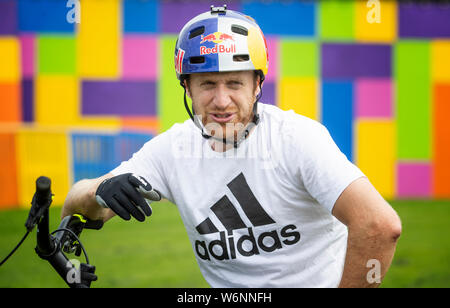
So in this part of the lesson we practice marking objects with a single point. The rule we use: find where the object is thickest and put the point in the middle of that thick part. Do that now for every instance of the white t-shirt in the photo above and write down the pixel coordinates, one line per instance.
(258, 215)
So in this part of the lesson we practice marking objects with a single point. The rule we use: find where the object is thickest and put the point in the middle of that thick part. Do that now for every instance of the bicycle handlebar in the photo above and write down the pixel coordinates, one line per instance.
(52, 248)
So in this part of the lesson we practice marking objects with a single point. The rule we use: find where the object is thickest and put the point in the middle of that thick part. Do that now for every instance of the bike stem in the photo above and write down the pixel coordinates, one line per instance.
(48, 250)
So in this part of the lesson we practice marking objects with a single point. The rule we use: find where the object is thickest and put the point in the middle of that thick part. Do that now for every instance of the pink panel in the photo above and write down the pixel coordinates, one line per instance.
(373, 98)
(413, 179)
(272, 47)
(27, 45)
(140, 56)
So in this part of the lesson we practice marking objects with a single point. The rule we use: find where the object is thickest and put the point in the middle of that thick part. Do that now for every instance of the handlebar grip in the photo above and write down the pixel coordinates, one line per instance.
(94, 224)
(43, 199)
(41, 202)
(43, 192)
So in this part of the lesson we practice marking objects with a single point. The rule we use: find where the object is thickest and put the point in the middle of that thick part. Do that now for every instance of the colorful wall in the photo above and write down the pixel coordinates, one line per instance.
(78, 98)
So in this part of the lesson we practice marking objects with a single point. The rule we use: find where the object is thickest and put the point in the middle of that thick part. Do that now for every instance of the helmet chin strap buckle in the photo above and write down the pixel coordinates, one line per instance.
(219, 10)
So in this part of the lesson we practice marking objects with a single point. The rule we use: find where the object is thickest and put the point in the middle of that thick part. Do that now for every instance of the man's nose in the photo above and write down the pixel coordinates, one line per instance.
(222, 97)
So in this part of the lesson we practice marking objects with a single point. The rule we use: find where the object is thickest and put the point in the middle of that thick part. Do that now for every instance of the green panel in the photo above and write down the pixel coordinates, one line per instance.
(413, 110)
(170, 103)
(56, 55)
(299, 58)
(336, 20)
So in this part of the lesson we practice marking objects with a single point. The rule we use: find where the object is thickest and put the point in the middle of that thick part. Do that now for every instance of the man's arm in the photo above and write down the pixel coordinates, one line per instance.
(81, 200)
(373, 230)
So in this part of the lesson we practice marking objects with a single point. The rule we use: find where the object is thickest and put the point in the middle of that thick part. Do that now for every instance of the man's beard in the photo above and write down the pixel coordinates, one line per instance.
(224, 136)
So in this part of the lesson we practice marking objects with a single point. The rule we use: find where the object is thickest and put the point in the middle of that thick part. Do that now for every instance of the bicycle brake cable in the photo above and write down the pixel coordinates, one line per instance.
(15, 248)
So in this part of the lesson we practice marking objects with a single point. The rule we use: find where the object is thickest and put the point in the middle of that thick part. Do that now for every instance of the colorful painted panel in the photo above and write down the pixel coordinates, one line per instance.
(375, 73)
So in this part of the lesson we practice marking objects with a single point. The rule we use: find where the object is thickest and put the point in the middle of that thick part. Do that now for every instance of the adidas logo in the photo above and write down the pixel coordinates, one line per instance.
(226, 246)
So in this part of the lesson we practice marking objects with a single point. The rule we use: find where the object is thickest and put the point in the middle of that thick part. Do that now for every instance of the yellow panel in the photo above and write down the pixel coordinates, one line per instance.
(300, 95)
(42, 153)
(97, 121)
(57, 99)
(440, 61)
(375, 153)
(58, 103)
(376, 20)
(9, 59)
(99, 39)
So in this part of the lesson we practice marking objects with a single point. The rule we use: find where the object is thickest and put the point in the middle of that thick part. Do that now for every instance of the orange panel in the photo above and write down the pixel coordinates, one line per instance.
(10, 100)
(145, 124)
(8, 177)
(441, 142)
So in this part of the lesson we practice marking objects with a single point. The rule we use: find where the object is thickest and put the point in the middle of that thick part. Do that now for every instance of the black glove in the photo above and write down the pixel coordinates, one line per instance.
(126, 194)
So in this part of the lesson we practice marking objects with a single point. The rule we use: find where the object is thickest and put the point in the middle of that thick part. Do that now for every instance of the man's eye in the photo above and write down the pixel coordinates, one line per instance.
(235, 83)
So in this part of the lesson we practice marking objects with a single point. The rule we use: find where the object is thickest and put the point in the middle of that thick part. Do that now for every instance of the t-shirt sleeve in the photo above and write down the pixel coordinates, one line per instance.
(149, 163)
(323, 168)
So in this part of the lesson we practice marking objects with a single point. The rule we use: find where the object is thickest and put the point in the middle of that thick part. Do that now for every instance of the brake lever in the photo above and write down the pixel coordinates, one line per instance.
(75, 223)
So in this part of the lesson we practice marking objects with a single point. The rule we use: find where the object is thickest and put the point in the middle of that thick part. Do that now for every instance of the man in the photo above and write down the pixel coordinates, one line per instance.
(267, 198)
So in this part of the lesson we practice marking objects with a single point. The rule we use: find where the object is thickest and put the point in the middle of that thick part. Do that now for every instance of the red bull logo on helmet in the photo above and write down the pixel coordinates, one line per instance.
(218, 38)
(217, 49)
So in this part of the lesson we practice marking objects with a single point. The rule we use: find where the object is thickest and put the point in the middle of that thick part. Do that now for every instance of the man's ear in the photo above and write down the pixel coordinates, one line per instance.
(186, 86)
(258, 84)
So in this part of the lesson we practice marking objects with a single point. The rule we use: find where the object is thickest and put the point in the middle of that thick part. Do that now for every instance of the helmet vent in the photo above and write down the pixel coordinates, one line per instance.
(239, 30)
(241, 58)
(196, 32)
(197, 60)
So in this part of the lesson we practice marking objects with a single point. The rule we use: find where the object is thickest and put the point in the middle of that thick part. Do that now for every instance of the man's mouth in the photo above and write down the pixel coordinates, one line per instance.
(222, 117)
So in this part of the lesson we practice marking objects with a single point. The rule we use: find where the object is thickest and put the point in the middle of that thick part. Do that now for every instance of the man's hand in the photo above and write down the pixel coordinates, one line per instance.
(127, 195)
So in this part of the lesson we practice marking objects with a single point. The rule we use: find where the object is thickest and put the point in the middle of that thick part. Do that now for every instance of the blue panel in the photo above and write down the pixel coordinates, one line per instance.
(44, 16)
(141, 16)
(128, 143)
(337, 113)
(93, 155)
(97, 154)
(298, 18)
(175, 14)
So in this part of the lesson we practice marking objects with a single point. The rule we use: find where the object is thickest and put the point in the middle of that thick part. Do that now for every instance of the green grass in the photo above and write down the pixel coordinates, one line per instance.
(157, 253)
(422, 258)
